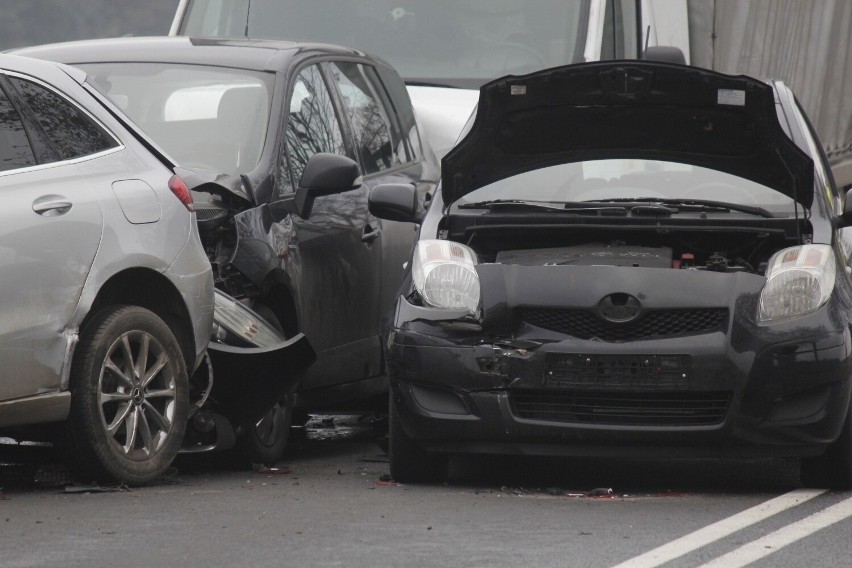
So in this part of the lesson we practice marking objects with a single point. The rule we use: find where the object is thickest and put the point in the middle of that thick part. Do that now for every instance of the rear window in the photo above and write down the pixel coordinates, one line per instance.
(209, 117)
(15, 151)
(64, 129)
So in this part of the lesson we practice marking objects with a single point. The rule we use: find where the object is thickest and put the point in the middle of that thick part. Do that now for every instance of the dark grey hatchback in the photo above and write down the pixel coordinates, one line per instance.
(287, 141)
(627, 259)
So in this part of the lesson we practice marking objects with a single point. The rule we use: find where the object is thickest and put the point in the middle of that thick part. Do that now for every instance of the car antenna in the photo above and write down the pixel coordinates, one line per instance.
(248, 12)
(647, 40)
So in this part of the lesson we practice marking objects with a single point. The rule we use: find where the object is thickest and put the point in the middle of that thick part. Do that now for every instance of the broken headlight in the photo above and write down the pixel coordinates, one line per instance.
(799, 280)
(236, 325)
(444, 275)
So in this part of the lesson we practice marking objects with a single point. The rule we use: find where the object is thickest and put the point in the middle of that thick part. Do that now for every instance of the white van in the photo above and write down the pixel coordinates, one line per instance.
(446, 49)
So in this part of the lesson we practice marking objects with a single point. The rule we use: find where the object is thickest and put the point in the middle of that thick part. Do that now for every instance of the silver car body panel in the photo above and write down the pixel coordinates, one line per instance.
(66, 233)
(49, 407)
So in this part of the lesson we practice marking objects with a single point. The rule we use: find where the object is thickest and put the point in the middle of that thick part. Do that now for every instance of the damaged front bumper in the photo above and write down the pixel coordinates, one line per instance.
(250, 367)
(250, 380)
(736, 391)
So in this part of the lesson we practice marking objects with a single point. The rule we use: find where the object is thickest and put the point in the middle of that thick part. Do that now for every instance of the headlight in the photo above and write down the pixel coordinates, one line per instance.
(234, 318)
(444, 275)
(798, 281)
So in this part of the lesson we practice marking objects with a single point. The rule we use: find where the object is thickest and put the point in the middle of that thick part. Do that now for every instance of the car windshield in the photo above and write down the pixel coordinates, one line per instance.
(625, 180)
(203, 117)
(460, 43)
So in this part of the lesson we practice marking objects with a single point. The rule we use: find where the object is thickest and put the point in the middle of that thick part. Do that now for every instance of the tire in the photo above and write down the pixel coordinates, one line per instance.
(833, 469)
(265, 441)
(409, 463)
(126, 424)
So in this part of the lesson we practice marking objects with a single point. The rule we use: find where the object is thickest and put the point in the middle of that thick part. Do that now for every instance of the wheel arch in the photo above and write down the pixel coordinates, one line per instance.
(151, 290)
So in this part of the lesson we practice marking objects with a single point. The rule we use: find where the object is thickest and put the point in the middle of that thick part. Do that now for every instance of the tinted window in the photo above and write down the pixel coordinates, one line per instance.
(401, 153)
(370, 125)
(15, 151)
(64, 127)
(312, 125)
(402, 105)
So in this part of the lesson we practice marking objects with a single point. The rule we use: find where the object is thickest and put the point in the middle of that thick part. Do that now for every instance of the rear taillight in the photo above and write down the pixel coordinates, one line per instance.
(182, 192)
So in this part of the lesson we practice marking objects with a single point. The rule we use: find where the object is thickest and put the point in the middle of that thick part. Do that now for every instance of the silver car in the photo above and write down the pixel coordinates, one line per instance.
(106, 294)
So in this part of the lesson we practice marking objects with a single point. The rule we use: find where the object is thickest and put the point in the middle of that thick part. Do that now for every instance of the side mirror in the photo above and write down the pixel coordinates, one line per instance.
(394, 202)
(325, 174)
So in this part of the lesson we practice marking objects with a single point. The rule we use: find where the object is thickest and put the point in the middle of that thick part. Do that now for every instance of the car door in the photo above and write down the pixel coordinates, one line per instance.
(332, 257)
(387, 142)
(50, 228)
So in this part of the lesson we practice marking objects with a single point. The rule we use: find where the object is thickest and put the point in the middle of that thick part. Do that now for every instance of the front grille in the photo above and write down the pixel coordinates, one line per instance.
(626, 409)
(209, 212)
(585, 324)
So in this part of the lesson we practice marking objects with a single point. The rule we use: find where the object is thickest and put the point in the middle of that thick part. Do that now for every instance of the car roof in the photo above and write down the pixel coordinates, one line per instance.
(253, 54)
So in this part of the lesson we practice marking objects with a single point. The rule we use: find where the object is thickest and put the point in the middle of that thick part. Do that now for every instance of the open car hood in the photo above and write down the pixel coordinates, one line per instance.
(627, 109)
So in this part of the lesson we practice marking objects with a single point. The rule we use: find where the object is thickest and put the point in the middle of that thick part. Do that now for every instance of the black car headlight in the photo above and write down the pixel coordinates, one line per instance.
(235, 323)
(444, 275)
(799, 280)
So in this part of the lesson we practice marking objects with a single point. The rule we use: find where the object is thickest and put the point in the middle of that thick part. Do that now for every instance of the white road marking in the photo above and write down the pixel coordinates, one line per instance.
(777, 540)
(720, 529)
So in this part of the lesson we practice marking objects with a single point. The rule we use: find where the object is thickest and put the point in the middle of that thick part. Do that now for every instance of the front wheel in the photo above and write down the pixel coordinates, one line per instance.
(265, 441)
(129, 397)
(408, 461)
(833, 469)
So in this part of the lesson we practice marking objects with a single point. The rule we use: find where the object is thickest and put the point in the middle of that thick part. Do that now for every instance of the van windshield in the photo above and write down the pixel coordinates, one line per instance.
(459, 43)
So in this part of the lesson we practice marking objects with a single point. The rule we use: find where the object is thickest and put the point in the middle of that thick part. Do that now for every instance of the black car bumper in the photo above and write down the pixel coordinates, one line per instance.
(740, 391)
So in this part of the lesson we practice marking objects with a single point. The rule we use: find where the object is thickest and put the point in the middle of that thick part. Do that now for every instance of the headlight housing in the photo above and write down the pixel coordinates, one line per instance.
(799, 280)
(233, 322)
(444, 275)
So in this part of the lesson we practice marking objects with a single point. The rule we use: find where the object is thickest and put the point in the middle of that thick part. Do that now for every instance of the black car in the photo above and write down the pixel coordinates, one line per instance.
(287, 140)
(627, 259)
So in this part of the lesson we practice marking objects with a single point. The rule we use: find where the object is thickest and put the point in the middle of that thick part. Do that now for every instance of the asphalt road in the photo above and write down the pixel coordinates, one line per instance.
(329, 504)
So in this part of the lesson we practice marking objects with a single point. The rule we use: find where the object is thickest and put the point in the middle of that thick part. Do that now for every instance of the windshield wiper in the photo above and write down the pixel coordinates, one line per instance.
(702, 205)
(554, 206)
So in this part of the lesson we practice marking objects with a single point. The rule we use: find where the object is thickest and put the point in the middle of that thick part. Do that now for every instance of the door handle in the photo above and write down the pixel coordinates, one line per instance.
(369, 235)
(51, 205)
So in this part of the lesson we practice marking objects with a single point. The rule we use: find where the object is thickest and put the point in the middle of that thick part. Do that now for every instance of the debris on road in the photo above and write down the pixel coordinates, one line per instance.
(76, 489)
(266, 470)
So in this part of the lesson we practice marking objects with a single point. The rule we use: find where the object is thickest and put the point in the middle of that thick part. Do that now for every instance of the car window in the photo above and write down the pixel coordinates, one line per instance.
(60, 125)
(312, 126)
(15, 150)
(203, 116)
(620, 40)
(399, 143)
(370, 125)
(402, 105)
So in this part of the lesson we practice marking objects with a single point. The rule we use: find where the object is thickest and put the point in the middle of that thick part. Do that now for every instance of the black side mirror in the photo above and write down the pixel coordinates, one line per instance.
(325, 174)
(846, 219)
(394, 202)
